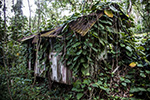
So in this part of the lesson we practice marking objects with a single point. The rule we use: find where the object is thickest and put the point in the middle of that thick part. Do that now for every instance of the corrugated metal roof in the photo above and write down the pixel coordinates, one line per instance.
(83, 24)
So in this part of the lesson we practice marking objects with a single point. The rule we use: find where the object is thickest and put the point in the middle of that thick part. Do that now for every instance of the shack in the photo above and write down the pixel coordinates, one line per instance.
(83, 42)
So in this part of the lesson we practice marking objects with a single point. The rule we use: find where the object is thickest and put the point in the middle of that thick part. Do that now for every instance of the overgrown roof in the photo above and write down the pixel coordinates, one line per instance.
(84, 23)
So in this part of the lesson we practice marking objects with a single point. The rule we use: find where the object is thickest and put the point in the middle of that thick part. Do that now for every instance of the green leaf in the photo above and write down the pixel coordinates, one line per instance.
(124, 84)
(139, 65)
(95, 85)
(82, 60)
(101, 26)
(85, 65)
(147, 71)
(79, 95)
(77, 44)
(141, 89)
(137, 89)
(129, 48)
(77, 89)
(99, 82)
(85, 71)
(109, 29)
(122, 45)
(148, 89)
(90, 88)
(128, 53)
(90, 44)
(132, 90)
(122, 78)
(113, 8)
(142, 75)
(75, 58)
(105, 88)
(79, 52)
(101, 41)
(127, 81)
(142, 53)
(106, 22)
(86, 81)
(141, 48)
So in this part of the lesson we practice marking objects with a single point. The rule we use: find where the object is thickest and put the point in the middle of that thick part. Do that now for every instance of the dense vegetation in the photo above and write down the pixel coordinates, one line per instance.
(125, 74)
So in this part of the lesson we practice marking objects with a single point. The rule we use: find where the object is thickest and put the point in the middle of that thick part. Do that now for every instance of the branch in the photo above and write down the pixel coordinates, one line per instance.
(116, 69)
(29, 16)
(129, 7)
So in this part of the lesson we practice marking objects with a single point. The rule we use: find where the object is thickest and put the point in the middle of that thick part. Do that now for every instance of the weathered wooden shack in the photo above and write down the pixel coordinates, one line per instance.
(101, 17)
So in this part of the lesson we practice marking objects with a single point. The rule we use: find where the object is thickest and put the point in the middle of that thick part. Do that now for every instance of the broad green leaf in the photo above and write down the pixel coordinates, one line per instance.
(142, 75)
(86, 81)
(127, 81)
(90, 88)
(124, 84)
(141, 48)
(79, 95)
(141, 89)
(132, 90)
(85, 71)
(122, 78)
(147, 71)
(139, 65)
(78, 53)
(122, 45)
(129, 48)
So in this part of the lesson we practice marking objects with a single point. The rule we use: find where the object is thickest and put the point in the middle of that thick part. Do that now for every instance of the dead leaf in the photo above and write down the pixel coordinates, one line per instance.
(108, 13)
(133, 64)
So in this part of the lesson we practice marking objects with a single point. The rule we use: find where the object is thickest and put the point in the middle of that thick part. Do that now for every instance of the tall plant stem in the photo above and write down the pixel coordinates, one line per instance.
(4, 56)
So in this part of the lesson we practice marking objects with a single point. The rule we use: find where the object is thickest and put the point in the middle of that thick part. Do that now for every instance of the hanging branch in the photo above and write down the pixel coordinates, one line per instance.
(4, 56)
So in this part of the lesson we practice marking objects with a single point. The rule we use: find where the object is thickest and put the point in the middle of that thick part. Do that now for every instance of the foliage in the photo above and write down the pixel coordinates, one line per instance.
(86, 57)
(107, 63)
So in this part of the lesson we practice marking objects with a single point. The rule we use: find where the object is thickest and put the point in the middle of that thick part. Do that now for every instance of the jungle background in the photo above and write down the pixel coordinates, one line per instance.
(131, 80)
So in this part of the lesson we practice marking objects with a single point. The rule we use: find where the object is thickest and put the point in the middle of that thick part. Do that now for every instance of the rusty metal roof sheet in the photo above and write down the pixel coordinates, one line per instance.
(83, 24)
(27, 38)
(50, 33)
